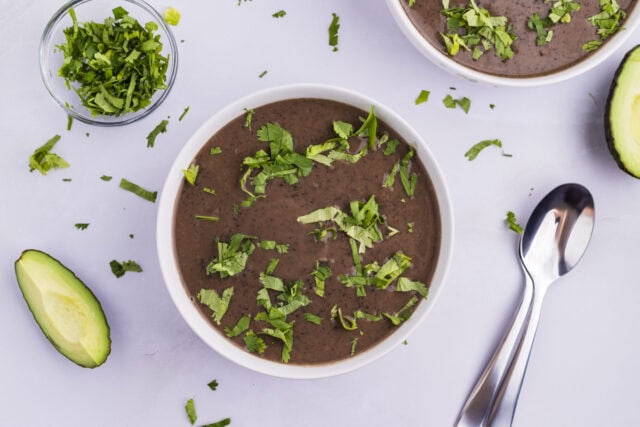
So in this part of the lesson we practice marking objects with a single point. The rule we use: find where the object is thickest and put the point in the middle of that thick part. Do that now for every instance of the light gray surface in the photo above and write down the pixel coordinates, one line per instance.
(584, 367)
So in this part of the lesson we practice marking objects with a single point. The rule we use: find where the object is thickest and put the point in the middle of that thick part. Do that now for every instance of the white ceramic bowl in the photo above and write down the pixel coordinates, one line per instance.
(440, 57)
(166, 243)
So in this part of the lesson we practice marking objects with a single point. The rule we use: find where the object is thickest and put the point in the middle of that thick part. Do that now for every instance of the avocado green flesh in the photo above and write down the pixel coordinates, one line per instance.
(66, 310)
(623, 114)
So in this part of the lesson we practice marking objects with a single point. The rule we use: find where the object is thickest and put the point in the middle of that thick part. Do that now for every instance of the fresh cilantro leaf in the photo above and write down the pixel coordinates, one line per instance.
(207, 218)
(191, 173)
(254, 343)
(81, 226)
(354, 343)
(464, 103)
(403, 314)
(171, 16)
(607, 22)
(411, 2)
(184, 113)
(213, 385)
(118, 269)
(392, 269)
(423, 96)
(559, 12)
(279, 14)
(239, 328)
(407, 285)
(262, 74)
(226, 421)
(409, 182)
(390, 147)
(44, 160)
(348, 323)
(249, 118)
(309, 317)
(342, 129)
(512, 223)
(138, 191)
(410, 226)
(218, 304)
(69, 121)
(190, 408)
(106, 178)
(215, 150)
(333, 32)
(592, 45)
(118, 71)
(449, 102)
(209, 190)
(369, 128)
(160, 128)
(232, 256)
(473, 152)
(320, 275)
(390, 179)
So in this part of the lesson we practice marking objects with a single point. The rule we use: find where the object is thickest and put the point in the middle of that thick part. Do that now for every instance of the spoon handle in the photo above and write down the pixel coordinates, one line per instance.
(505, 405)
(477, 409)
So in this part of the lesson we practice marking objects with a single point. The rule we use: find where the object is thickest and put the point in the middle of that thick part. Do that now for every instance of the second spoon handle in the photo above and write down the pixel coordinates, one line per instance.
(477, 409)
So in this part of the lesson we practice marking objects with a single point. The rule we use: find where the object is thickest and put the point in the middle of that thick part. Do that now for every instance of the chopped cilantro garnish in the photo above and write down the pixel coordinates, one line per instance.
(512, 223)
(411, 2)
(207, 218)
(44, 160)
(354, 343)
(190, 408)
(492, 106)
(69, 121)
(226, 421)
(115, 66)
(403, 314)
(209, 190)
(254, 343)
(423, 96)
(184, 113)
(239, 328)
(232, 256)
(390, 179)
(285, 334)
(320, 274)
(464, 103)
(333, 31)
(138, 191)
(405, 342)
(449, 102)
(215, 151)
(171, 16)
(218, 304)
(262, 74)
(279, 14)
(473, 28)
(160, 128)
(106, 178)
(118, 269)
(559, 12)
(407, 285)
(249, 118)
(81, 226)
(608, 22)
(312, 318)
(390, 147)
(473, 152)
(409, 182)
(191, 173)
(213, 385)
(348, 323)
(410, 226)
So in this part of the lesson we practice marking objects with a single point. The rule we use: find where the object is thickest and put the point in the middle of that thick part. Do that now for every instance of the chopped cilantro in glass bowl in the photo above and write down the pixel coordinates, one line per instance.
(108, 62)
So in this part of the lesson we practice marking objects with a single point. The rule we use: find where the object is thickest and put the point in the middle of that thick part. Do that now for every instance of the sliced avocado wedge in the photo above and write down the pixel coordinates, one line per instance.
(622, 114)
(66, 310)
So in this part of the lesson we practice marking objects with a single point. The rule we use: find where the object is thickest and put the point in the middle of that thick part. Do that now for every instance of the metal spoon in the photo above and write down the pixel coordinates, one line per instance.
(554, 240)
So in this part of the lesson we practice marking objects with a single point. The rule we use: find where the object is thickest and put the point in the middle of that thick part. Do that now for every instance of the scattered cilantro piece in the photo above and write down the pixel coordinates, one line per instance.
(138, 191)
(190, 408)
(171, 16)
(410, 226)
(473, 28)
(213, 385)
(348, 323)
(559, 13)
(511, 222)
(423, 96)
(254, 343)
(390, 179)
(309, 317)
(215, 151)
(262, 74)
(473, 152)
(333, 32)
(44, 160)
(449, 102)
(106, 178)
(207, 218)
(411, 2)
(407, 285)
(607, 22)
(184, 113)
(66, 179)
(492, 106)
(118, 269)
(191, 173)
(226, 421)
(239, 328)
(354, 343)
(115, 66)
(390, 147)
(232, 256)
(279, 14)
(409, 183)
(405, 342)
(81, 226)
(247, 121)
(403, 314)
(160, 128)
(320, 274)
(69, 121)
(464, 103)
(209, 190)
(218, 304)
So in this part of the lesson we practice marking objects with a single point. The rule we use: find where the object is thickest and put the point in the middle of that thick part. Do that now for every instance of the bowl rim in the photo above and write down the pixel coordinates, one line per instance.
(166, 247)
(172, 71)
(439, 58)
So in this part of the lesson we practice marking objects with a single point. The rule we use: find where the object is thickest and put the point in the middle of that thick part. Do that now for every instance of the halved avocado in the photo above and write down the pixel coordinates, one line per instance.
(66, 310)
(622, 114)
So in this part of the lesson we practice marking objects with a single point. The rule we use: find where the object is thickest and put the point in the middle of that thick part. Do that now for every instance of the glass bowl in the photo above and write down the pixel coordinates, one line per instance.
(51, 58)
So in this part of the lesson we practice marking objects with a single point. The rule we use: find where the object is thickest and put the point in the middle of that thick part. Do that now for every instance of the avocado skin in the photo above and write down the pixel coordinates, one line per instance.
(51, 340)
(608, 119)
